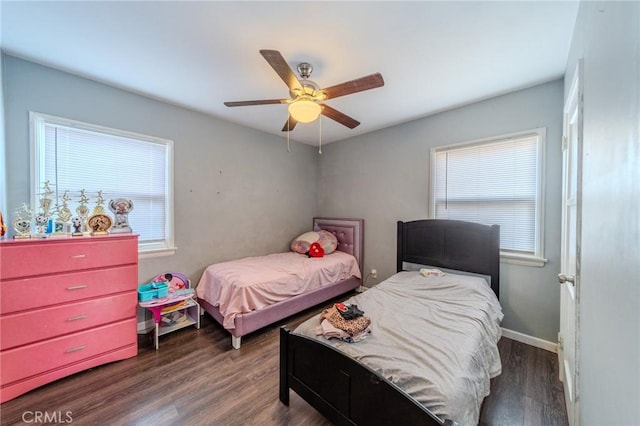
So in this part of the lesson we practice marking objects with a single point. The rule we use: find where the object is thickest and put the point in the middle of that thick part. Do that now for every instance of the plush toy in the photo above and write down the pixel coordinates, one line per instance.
(315, 250)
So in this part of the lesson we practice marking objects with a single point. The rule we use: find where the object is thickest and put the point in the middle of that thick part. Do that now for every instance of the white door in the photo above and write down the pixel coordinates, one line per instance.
(569, 276)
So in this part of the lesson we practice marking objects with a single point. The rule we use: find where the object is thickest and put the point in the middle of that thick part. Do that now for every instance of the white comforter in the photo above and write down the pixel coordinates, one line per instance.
(434, 337)
(244, 285)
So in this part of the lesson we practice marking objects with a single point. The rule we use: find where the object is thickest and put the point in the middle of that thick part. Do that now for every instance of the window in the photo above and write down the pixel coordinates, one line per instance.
(494, 181)
(73, 156)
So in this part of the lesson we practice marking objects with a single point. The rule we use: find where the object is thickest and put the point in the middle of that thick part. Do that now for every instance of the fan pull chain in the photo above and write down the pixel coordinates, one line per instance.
(288, 131)
(320, 134)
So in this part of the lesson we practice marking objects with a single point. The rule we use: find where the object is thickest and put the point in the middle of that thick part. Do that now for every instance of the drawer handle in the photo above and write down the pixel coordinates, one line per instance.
(76, 349)
(77, 287)
(77, 317)
(79, 256)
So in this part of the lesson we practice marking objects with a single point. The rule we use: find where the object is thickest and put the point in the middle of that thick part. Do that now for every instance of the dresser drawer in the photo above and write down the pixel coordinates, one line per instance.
(29, 293)
(37, 358)
(32, 258)
(32, 326)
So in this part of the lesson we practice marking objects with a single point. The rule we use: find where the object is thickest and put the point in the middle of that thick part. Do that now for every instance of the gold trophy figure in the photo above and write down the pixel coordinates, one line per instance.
(83, 211)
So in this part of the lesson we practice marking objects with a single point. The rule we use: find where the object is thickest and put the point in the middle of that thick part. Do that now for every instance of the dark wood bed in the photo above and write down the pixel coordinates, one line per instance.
(347, 392)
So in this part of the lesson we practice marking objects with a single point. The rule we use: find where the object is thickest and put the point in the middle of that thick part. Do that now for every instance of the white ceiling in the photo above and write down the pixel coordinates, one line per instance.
(433, 55)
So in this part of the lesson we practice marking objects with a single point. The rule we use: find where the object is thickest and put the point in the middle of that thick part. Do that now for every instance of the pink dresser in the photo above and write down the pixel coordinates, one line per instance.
(65, 305)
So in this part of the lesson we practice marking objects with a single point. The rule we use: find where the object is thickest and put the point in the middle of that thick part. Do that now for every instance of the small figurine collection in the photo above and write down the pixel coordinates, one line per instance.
(57, 220)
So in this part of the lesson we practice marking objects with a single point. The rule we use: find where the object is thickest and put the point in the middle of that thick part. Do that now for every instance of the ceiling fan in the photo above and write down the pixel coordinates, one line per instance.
(306, 102)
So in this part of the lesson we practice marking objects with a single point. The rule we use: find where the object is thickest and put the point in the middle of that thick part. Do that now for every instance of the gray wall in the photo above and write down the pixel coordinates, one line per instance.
(3, 177)
(607, 37)
(238, 192)
(383, 177)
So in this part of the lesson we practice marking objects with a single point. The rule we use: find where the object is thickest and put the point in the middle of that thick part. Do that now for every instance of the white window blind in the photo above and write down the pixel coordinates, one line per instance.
(74, 156)
(496, 181)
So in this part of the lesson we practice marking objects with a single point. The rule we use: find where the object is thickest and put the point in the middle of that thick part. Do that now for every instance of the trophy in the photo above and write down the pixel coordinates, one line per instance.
(121, 208)
(99, 222)
(61, 226)
(42, 218)
(41, 225)
(83, 211)
(98, 209)
(22, 222)
(76, 222)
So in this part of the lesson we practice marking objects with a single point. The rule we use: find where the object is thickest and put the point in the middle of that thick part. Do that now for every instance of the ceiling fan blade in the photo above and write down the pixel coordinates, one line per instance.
(341, 118)
(358, 85)
(277, 62)
(261, 102)
(290, 124)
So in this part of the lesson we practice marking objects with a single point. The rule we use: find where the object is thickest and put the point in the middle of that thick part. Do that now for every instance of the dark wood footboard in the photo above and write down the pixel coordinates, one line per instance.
(343, 390)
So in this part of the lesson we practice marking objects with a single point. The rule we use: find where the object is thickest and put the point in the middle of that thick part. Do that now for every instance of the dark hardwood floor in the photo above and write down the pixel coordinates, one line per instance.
(197, 379)
(528, 392)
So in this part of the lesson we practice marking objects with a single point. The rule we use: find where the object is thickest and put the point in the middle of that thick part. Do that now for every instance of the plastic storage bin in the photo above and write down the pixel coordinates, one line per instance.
(152, 291)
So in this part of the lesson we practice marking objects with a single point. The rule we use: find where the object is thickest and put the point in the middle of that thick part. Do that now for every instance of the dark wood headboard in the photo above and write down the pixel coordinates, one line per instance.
(451, 244)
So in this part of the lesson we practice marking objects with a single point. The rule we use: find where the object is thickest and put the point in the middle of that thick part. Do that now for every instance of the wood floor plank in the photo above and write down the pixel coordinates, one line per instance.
(197, 379)
(528, 391)
(505, 403)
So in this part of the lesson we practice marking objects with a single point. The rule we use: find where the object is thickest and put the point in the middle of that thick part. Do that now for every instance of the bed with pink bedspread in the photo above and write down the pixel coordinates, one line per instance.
(247, 294)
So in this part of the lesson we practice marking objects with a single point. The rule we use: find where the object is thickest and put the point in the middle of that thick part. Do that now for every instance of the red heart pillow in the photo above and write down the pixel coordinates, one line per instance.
(316, 250)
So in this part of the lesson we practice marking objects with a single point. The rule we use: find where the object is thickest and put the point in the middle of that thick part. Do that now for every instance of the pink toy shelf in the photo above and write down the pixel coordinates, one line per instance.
(172, 302)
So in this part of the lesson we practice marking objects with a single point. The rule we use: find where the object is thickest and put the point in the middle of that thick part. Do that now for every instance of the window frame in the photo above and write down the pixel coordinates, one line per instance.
(537, 258)
(37, 122)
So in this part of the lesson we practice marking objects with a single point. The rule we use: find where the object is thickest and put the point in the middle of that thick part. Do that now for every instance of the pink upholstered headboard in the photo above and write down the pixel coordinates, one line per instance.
(350, 234)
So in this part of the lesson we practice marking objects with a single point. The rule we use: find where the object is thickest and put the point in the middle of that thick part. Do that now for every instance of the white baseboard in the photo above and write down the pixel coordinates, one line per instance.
(145, 327)
(530, 340)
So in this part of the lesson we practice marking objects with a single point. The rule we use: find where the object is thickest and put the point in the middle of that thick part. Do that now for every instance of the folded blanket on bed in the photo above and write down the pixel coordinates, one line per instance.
(328, 331)
(425, 272)
(352, 326)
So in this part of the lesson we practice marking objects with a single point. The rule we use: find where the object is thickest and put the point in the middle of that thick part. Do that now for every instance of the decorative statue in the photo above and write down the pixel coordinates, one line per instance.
(121, 208)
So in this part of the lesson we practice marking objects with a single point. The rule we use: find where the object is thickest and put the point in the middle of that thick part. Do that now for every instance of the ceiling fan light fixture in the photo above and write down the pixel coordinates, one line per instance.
(305, 110)
(307, 99)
